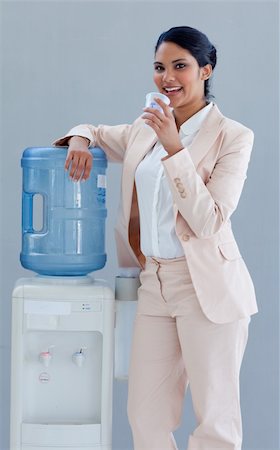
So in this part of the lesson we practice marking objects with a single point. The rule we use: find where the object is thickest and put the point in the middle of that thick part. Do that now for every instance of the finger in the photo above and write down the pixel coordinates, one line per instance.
(68, 160)
(74, 165)
(87, 170)
(153, 125)
(164, 106)
(152, 117)
(80, 168)
(155, 112)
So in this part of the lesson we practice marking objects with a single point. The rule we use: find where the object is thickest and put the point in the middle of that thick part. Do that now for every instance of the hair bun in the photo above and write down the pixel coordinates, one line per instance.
(213, 56)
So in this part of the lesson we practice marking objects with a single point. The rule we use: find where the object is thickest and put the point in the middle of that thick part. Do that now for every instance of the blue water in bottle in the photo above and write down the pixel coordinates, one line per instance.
(71, 238)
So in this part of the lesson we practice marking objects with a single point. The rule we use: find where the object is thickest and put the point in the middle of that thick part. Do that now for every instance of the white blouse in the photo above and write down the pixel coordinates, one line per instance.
(157, 224)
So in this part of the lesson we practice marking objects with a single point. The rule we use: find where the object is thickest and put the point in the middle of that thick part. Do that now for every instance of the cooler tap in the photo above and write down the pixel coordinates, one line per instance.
(79, 357)
(46, 356)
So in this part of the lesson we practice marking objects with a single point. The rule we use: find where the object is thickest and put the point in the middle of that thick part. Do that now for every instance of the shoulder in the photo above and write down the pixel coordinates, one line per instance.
(233, 129)
(137, 124)
(141, 131)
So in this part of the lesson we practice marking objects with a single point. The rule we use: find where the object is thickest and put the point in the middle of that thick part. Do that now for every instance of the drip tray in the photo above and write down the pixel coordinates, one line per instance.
(72, 435)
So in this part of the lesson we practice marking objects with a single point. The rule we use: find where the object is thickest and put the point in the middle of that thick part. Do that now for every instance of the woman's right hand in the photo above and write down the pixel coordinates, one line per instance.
(79, 158)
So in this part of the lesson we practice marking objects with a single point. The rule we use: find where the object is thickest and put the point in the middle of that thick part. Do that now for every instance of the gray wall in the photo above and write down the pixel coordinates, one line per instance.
(69, 62)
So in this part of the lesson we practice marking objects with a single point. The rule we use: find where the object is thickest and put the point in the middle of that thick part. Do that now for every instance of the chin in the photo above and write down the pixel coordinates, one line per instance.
(176, 103)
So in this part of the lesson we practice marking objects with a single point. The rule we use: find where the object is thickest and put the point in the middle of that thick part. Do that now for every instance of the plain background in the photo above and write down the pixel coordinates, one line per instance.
(70, 62)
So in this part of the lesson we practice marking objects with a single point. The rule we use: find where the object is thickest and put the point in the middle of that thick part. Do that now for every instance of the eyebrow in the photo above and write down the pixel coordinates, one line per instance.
(176, 60)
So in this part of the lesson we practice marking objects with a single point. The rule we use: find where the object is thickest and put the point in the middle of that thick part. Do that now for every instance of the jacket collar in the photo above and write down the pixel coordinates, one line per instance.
(200, 145)
(194, 123)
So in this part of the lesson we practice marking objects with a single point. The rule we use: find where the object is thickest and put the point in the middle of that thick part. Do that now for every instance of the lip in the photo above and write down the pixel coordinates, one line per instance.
(172, 93)
(167, 86)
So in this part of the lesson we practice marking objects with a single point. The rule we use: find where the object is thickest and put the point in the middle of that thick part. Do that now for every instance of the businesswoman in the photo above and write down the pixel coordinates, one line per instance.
(183, 173)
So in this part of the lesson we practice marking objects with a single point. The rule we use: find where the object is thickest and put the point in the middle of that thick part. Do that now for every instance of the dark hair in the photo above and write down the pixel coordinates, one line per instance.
(196, 43)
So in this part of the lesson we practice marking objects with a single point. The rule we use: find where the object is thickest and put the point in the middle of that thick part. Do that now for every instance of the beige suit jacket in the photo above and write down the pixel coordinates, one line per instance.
(206, 181)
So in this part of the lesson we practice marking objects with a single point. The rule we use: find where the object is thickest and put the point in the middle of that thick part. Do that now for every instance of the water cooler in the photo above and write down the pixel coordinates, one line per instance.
(62, 353)
(62, 319)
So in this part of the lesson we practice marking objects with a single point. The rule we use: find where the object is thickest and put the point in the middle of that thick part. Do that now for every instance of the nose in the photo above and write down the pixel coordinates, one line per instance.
(168, 75)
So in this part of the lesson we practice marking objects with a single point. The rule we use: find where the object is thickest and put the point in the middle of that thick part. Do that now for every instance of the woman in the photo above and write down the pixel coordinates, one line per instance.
(183, 174)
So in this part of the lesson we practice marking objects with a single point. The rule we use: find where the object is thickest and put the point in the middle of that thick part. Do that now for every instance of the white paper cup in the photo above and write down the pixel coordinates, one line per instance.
(151, 103)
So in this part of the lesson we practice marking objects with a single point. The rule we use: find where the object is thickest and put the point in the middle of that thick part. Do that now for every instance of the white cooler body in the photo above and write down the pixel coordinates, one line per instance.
(62, 364)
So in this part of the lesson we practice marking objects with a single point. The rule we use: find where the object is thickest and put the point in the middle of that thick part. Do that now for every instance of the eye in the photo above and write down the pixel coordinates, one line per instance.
(158, 68)
(180, 66)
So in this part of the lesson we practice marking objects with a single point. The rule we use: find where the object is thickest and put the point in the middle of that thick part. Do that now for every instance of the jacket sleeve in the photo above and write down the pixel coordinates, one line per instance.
(206, 207)
(112, 139)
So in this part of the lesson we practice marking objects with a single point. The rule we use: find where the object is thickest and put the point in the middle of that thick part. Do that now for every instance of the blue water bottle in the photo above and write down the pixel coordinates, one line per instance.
(70, 238)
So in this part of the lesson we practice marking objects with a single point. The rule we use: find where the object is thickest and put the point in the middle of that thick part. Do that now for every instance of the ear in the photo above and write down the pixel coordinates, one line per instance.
(206, 72)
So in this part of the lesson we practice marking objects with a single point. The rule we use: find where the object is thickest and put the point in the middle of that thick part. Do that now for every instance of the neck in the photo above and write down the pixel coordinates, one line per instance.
(185, 112)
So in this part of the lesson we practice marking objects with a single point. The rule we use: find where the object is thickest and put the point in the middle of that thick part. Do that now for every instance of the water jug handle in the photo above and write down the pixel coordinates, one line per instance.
(27, 212)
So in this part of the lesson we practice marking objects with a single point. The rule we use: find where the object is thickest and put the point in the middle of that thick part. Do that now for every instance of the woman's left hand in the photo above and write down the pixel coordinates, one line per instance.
(164, 126)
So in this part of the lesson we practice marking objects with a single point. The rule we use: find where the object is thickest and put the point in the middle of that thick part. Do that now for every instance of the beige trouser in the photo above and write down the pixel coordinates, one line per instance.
(175, 345)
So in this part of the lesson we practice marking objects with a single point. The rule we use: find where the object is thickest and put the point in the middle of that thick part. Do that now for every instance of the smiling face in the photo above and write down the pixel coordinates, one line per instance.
(178, 75)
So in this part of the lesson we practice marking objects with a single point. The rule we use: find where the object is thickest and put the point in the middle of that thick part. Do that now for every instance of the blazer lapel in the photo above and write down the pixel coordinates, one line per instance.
(206, 136)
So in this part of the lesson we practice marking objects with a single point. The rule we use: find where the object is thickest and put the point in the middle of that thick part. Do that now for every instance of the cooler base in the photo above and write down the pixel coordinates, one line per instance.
(95, 447)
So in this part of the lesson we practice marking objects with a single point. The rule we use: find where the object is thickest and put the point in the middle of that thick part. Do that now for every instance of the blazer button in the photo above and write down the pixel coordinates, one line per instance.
(181, 190)
(185, 237)
(177, 180)
(183, 195)
(179, 185)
